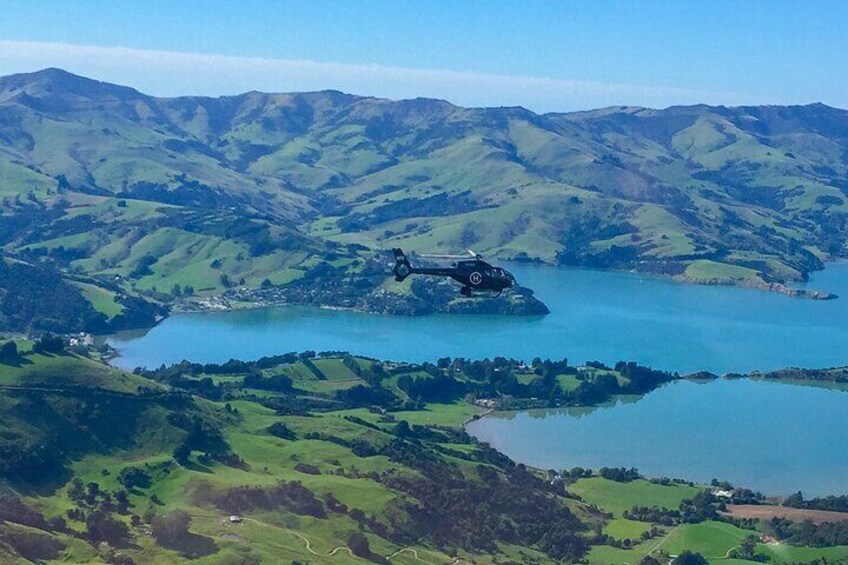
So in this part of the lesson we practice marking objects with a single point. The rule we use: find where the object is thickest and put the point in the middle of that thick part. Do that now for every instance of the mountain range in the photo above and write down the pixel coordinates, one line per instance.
(127, 194)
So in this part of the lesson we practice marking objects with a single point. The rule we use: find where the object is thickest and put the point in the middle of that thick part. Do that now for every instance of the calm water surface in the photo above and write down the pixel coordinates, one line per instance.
(776, 438)
(595, 315)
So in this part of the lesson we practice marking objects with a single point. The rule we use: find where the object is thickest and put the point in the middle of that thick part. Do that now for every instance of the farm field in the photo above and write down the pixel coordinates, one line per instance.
(713, 540)
(617, 497)
(309, 452)
(766, 512)
(335, 456)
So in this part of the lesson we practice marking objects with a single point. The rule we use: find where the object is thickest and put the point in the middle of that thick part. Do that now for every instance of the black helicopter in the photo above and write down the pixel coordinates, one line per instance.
(476, 276)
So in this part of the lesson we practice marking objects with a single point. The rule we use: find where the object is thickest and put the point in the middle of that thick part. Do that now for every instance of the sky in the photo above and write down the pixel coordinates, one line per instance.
(546, 56)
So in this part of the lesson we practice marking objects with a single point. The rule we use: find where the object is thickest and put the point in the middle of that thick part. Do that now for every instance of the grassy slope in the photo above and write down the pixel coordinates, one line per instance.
(710, 194)
(268, 536)
(68, 370)
(272, 536)
(101, 299)
(617, 497)
(621, 528)
(712, 539)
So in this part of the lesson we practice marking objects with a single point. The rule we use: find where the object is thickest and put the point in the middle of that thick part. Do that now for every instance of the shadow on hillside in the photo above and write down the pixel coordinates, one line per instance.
(193, 546)
(17, 362)
(44, 483)
(197, 467)
(33, 545)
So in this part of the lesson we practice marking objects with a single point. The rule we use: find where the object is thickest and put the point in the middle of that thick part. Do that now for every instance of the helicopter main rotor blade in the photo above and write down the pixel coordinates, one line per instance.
(439, 256)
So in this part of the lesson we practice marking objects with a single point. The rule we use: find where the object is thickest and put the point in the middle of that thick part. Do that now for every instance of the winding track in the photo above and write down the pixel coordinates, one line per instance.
(411, 550)
(335, 550)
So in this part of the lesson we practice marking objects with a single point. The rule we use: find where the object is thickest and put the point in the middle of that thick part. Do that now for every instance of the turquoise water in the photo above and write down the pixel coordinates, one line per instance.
(595, 315)
(773, 437)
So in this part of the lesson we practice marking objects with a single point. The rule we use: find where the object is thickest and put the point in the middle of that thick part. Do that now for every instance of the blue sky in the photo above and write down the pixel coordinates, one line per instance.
(547, 56)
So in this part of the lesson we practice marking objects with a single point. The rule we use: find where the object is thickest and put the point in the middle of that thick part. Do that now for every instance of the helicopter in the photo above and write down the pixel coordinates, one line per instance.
(477, 277)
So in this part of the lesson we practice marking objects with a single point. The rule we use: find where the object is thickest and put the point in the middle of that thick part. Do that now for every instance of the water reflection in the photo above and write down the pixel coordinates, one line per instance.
(770, 436)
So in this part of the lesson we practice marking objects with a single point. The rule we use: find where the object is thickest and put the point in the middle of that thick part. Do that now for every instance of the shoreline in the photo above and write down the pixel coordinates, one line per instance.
(789, 289)
(614, 401)
(786, 289)
(778, 288)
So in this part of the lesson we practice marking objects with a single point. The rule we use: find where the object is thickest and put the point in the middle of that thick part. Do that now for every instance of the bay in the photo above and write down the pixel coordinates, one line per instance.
(773, 437)
(595, 315)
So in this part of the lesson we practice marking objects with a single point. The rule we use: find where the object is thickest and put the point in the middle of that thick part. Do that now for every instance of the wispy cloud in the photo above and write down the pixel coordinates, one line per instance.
(170, 73)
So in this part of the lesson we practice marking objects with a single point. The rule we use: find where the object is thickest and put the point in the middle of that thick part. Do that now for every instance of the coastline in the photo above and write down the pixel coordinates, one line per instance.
(219, 302)
(787, 377)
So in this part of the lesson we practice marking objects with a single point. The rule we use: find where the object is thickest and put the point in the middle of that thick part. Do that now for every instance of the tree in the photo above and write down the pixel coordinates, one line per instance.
(402, 429)
(746, 549)
(76, 491)
(100, 526)
(122, 500)
(698, 508)
(91, 492)
(794, 500)
(49, 344)
(281, 431)
(132, 477)
(358, 544)
(170, 529)
(689, 558)
(9, 351)
(181, 453)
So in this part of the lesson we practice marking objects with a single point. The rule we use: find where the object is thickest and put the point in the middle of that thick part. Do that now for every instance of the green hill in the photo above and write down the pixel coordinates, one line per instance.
(330, 459)
(56, 408)
(316, 472)
(325, 459)
(164, 197)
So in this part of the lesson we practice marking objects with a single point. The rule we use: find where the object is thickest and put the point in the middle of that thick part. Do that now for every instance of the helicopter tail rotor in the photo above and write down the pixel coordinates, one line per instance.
(402, 267)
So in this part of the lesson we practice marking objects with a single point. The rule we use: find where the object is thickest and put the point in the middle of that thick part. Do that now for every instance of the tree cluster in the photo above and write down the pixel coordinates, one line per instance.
(831, 502)
(290, 495)
(507, 507)
(807, 533)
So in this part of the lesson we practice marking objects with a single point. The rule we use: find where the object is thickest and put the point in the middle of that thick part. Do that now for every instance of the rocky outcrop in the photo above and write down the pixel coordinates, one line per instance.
(514, 302)
(428, 297)
(365, 291)
(756, 282)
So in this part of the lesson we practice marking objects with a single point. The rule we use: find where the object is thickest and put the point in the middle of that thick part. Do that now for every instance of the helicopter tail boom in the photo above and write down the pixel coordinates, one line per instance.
(402, 267)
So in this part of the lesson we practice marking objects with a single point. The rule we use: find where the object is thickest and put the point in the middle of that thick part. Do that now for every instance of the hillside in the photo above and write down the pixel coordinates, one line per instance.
(288, 443)
(172, 196)
(336, 459)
